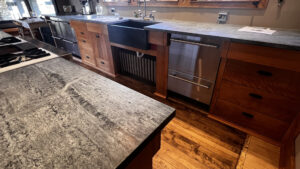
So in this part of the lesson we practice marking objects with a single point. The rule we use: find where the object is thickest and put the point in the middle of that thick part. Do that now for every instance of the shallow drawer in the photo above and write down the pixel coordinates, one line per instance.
(274, 57)
(250, 120)
(87, 56)
(277, 81)
(84, 43)
(80, 29)
(260, 101)
(104, 65)
(97, 28)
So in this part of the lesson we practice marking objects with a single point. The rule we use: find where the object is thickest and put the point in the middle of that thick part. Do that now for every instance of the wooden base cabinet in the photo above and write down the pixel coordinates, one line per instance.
(94, 46)
(258, 92)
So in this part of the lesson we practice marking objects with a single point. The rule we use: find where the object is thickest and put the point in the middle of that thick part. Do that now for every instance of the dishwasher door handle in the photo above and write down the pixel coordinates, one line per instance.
(194, 43)
(188, 81)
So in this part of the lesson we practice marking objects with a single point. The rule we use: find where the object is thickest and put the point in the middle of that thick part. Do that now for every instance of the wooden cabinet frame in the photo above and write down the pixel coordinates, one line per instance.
(244, 4)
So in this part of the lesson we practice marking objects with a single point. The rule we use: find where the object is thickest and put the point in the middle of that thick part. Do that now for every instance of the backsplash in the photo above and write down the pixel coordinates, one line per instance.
(285, 16)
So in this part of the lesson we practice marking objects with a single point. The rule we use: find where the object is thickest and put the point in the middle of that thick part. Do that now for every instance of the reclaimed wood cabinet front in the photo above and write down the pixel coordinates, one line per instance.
(258, 90)
(94, 46)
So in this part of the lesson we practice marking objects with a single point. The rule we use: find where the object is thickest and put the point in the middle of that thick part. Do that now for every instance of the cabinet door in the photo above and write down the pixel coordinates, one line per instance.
(102, 50)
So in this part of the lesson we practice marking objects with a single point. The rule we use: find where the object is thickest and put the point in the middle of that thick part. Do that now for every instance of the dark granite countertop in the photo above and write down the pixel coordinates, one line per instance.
(56, 114)
(281, 38)
(86, 18)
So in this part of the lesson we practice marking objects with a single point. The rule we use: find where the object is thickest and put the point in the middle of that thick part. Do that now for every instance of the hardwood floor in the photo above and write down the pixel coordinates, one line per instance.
(193, 141)
(258, 154)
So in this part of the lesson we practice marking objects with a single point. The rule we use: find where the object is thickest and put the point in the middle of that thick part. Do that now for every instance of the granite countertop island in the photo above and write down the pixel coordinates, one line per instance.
(56, 114)
(281, 38)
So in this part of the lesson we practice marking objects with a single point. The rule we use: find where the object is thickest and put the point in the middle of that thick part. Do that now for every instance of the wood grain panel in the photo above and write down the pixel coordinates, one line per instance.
(80, 29)
(287, 154)
(280, 82)
(97, 28)
(275, 106)
(273, 57)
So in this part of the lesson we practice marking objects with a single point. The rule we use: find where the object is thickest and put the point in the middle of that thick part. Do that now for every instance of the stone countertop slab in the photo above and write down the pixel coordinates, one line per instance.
(281, 38)
(86, 18)
(56, 114)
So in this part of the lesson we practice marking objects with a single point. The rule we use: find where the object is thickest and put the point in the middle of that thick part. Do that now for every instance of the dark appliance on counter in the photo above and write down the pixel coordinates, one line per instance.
(63, 35)
(17, 53)
(193, 66)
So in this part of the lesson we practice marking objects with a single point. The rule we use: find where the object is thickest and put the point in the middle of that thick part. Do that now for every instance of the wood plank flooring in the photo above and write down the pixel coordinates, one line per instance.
(258, 154)
(193, 141)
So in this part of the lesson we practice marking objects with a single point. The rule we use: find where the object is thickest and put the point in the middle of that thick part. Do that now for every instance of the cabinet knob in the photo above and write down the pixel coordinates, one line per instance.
(87, 57)
(82, 33)
(102, 62)
(97, 36)
(83, 41)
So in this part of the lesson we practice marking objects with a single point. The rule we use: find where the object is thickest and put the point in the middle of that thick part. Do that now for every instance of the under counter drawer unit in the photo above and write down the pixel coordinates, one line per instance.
(258, 90)
(94, 46)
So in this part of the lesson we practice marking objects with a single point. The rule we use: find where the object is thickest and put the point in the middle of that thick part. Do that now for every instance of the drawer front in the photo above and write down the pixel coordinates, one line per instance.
(104, 65)
(85, 43)
(97, 28)
(274, 57)
(80, 29)
(275, 106)
(277, 81)
(87, 56)
(250, 120)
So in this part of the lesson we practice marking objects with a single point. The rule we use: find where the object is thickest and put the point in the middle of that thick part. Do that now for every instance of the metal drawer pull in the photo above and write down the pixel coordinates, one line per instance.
(188, 81)
(248, 115)
(256, 96)
(194, 43)
(264, 73)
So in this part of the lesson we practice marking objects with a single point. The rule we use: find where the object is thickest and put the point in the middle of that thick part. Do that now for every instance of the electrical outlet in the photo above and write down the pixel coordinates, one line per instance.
(222, 18)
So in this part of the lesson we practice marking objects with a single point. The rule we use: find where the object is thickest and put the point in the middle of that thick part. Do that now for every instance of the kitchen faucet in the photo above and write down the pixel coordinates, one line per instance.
(144, 16)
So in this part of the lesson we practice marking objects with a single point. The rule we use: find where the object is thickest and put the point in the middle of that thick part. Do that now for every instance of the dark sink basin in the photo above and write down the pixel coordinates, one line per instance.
(130, 33)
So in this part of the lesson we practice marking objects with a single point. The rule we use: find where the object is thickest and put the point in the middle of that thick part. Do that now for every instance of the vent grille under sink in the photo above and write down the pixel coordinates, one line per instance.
(141, 68)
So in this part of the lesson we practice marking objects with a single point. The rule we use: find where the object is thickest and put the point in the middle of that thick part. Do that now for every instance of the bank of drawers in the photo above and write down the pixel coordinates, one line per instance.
(255, 96)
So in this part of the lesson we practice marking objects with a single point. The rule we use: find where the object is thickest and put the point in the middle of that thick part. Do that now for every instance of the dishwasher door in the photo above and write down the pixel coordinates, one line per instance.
(193, 66)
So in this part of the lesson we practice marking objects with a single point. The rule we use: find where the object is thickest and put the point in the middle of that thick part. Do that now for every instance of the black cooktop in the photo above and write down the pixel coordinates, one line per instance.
(9, 40)
(15, 54)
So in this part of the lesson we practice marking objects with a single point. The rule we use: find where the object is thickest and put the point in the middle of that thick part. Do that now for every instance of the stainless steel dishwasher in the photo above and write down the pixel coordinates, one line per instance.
(193, 66)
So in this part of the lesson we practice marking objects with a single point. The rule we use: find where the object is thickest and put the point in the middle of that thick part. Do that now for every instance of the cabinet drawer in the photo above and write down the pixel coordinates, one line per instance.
(275, 106)
(84, 43)
(274, 57)
(97, 28)
(80, 29)
(277, 81)
(87, 56)
(104, 65)
(251, 121)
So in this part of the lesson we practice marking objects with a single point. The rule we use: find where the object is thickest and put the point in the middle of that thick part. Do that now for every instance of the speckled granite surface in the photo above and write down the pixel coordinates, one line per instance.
(86, 18)
(282, 38)
(56, 114)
